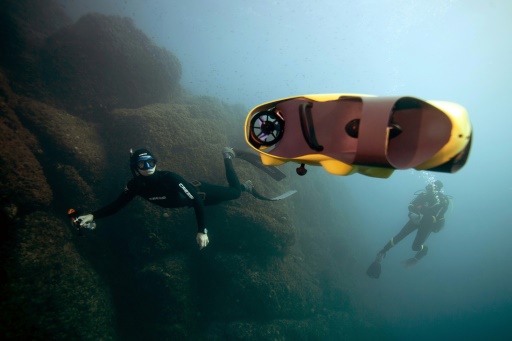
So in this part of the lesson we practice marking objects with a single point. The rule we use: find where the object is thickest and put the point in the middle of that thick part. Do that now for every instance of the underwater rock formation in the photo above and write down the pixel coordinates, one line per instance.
(76, 59)
(100, 87)
(23, 181)
(24, 26)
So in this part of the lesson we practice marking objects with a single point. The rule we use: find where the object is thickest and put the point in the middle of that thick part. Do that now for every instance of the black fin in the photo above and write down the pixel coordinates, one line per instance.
(374, 270)
(259, 196)
(255, 160)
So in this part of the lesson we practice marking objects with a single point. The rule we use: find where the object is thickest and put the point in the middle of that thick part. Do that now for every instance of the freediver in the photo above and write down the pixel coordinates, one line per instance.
(170, 190)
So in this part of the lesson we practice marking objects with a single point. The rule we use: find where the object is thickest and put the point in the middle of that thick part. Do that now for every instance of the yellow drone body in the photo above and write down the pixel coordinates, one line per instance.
(357, 133)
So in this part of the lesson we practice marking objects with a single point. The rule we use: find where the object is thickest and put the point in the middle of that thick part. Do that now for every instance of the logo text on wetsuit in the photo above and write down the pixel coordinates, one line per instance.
(186, 191)
(158, 198)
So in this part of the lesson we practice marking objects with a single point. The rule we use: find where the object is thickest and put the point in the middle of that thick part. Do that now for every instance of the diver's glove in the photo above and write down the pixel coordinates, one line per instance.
(87, 221)
(415, 217)
(202, 240)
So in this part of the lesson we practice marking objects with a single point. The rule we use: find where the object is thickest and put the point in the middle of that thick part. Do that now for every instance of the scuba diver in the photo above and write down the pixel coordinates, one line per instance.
(426, 215)
(170, 190)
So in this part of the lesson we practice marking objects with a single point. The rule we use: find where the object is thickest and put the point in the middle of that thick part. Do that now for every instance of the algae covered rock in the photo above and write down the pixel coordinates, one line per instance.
(166, 297)
(108, 88)
(24, 25)
(105, 62)
(257, 287)
(22, 179)
(62, 155)
(50, 291)
(65, 138)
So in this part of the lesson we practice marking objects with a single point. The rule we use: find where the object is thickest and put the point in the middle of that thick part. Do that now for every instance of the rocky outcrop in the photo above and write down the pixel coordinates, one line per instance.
(24, 26)
(50, 290)
(76, 59)
(64, 141)
(24, 183)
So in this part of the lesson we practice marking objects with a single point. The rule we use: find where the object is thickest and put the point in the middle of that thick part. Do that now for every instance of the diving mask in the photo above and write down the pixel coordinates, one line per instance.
(145, 163)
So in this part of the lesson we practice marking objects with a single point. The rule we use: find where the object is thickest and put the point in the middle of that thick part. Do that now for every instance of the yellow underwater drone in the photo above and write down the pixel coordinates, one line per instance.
(370, 135)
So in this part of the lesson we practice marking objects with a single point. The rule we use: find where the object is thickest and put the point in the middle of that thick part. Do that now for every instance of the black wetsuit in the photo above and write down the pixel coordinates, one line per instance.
(170, 190)
(432, 206)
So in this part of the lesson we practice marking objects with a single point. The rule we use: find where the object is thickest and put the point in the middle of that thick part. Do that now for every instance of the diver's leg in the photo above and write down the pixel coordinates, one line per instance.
(404, 232)
(422, 252)
(421, 237)
(231, 175)
(419, 240)
(375, 268)
(215, 194)
(417, 245)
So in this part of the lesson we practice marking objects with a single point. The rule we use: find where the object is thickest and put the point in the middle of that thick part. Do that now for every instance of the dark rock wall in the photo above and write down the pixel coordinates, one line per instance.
(75, 60)
(100, 87)
(24, 27)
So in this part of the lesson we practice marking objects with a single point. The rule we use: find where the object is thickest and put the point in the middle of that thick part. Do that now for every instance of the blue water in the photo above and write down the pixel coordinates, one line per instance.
(251, 52)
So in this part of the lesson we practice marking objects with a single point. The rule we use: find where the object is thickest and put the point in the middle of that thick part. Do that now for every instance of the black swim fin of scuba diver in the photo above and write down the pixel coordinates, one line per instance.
(255, 160)
(374, 270)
